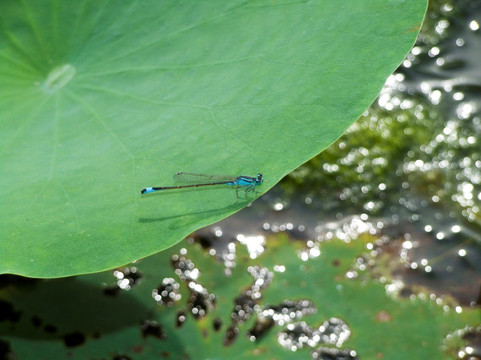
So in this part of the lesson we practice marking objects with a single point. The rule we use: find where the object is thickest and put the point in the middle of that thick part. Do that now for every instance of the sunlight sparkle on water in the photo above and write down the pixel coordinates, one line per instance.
(254, 244)
(298, 335)
(465, 110)
(441, 26)
(458, 96)
(447, 7)
(278, 206)
(460, 42)
(435, 96)
(455, 228)
(407, 245)
(473, 25)
(394, 288)
(434, 51)
(416, 50)
(218, 231)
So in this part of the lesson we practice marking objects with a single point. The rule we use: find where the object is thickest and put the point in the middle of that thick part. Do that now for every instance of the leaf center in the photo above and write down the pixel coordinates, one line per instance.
(58, 78)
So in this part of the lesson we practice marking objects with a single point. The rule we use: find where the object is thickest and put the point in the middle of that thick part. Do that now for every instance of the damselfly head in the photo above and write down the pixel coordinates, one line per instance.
(259, 179)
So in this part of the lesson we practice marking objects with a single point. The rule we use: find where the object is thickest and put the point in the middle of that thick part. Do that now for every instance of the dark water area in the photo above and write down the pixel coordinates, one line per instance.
(407, 172)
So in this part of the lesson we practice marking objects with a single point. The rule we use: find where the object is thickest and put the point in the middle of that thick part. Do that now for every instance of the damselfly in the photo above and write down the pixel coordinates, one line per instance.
(247, 183)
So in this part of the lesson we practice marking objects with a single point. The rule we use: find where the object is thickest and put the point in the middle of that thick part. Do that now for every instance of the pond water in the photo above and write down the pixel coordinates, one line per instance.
(408, 170)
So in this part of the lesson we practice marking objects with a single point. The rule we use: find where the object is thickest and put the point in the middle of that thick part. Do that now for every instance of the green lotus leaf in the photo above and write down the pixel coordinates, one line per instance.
(100, 99)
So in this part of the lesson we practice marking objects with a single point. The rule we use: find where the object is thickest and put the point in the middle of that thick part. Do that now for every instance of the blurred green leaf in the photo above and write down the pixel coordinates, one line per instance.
(101, 99)
(53, 312)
